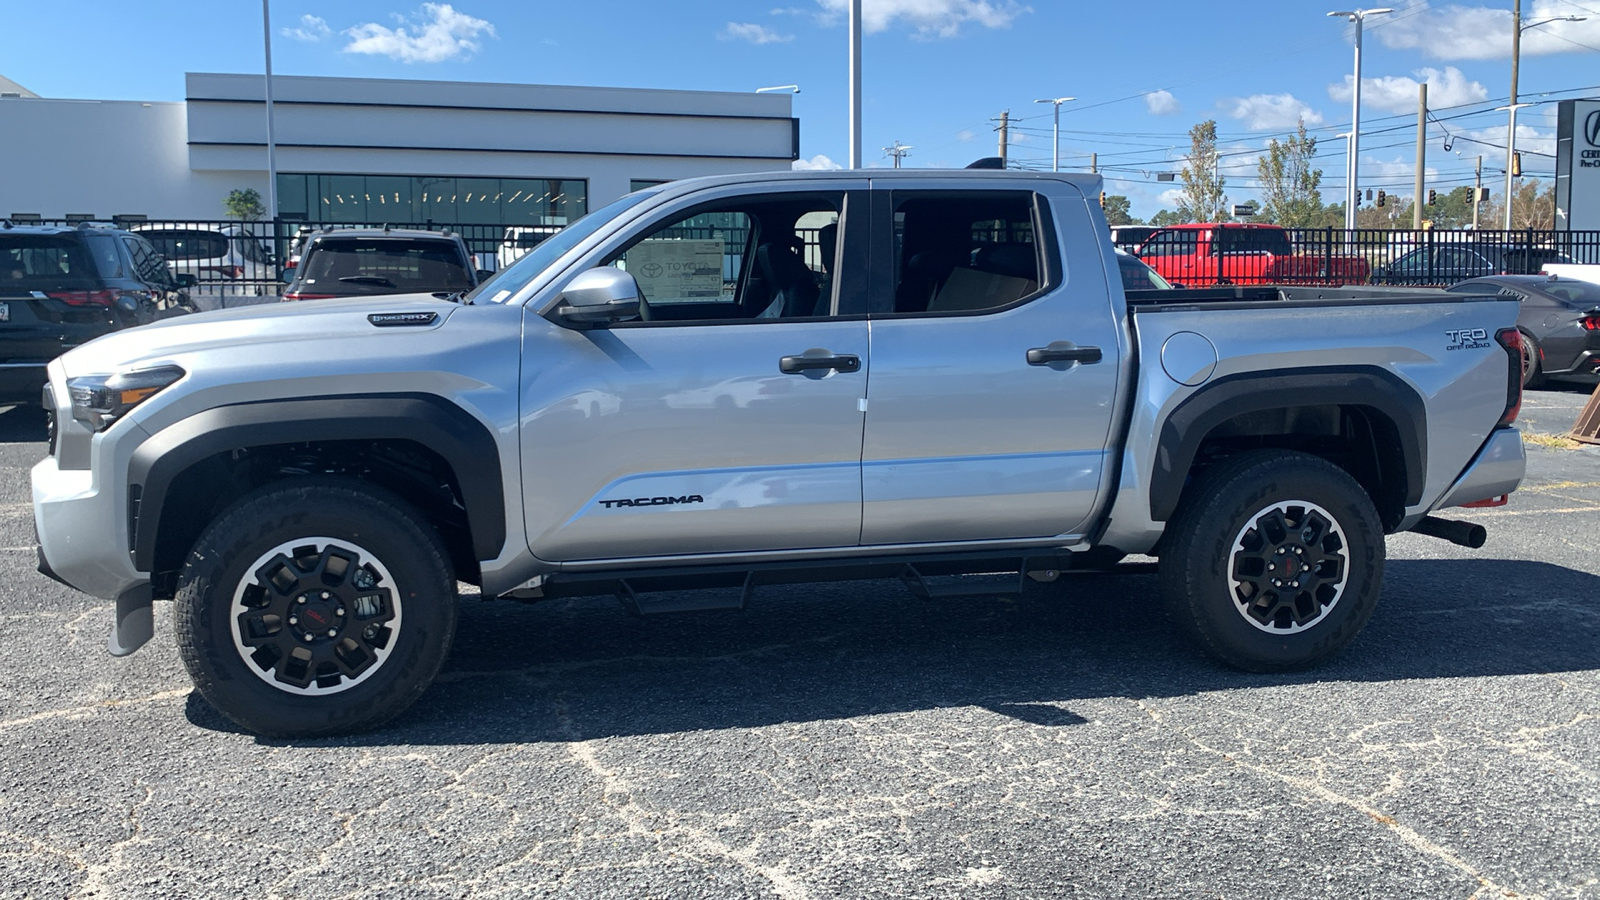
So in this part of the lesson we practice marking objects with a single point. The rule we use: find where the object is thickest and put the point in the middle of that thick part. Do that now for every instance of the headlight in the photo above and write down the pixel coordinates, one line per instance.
(99, 400)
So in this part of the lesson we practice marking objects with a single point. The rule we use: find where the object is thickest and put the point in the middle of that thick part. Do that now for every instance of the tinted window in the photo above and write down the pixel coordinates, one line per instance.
(963, 252)
(103, 247)
(146, 262)
(1580, 294)
(179, 244)
(1254, 240)
(36, 262)
(1136, 276)
(355, 265)
(1172, 243)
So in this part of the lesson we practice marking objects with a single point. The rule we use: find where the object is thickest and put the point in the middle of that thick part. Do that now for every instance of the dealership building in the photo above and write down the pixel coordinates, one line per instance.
(359, 150)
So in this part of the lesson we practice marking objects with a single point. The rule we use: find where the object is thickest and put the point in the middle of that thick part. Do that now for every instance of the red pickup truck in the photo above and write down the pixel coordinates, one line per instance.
(1243, 253)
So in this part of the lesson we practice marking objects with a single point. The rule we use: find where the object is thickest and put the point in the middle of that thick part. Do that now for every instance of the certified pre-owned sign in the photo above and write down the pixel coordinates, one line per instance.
(1591, 128)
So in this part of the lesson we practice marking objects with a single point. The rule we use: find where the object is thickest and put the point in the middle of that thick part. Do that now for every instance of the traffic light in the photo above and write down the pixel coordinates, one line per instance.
(1483, 194)
(1516, 164)
(1382, 196)
(1433, 197)
(1102, 199)
(1369, 193)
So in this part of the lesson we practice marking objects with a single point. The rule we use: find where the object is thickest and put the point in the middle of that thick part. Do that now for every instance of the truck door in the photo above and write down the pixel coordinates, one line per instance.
(728, 418)
(995, 360)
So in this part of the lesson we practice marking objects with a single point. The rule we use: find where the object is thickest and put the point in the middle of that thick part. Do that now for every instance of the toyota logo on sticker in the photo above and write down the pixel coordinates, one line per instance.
(1591, 128)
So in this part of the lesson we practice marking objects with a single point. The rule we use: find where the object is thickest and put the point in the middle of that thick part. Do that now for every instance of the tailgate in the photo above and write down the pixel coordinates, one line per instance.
(38, 328)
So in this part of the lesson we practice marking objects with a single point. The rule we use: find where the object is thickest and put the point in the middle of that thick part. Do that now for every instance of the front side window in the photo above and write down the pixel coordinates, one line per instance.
(960, 252)
(749, 259)
(1172, 243)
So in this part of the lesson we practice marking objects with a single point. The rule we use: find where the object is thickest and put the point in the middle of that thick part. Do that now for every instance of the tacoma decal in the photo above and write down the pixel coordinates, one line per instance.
(1466, 339)
(390, 320)
(654, 501)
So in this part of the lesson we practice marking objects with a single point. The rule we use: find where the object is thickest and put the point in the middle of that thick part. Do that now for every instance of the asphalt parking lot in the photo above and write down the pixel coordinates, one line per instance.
(848, 740)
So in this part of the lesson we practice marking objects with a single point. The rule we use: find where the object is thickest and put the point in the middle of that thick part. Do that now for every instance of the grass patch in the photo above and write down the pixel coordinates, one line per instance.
(1550, 441)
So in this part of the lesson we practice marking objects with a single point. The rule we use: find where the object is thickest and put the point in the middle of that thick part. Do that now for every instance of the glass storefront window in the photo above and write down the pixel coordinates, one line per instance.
(441, 200)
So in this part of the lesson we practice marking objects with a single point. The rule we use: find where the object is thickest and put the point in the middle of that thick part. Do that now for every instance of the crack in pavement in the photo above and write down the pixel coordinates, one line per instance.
(1406, 834)
(93, 708)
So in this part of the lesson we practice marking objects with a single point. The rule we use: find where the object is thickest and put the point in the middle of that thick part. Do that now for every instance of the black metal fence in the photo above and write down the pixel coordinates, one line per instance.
(242, 262)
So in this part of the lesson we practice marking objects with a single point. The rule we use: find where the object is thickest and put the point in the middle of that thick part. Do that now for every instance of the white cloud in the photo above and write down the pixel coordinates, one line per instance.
(1161, 103)
(930, 18)
(311, 29)
(1398, 94)
(438, 33)
(965, 134)
(1171, 198)
(755, 34)
(1271, 112)
(815, 163)
(1453, 31)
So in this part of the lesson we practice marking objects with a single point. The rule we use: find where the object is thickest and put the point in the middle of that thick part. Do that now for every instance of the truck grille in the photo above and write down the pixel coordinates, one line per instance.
(50, 417)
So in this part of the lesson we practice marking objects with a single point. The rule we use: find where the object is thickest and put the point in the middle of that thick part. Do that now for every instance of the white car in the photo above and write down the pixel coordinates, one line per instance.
(230, 264)
(519, 239)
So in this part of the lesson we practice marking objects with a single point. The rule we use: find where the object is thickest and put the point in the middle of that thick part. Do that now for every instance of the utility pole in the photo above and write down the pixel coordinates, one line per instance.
(1005, 135)
(1422, 153)
(899, 151)
(855, 84)
(1511, 128)
(1477, 191)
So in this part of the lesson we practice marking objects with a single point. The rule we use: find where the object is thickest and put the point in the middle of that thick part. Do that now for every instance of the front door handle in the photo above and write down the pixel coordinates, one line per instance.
(813, 360)
(1062, 351)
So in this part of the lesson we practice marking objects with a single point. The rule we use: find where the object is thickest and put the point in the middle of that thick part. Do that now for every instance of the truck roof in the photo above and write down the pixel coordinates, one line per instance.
(1087, 183)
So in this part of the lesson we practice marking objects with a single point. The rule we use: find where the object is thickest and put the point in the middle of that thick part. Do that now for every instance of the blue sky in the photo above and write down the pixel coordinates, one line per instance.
(937, 72)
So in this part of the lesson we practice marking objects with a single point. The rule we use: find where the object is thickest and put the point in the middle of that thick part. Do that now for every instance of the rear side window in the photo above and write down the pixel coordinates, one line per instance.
(146, 262)
(181, 244)
(37, 262)
(385, 266)
(1579, 294)
(964, 252)
(1172, 243)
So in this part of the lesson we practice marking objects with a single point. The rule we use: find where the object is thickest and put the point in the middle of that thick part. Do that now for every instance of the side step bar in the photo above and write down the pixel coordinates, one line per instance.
(651, 603)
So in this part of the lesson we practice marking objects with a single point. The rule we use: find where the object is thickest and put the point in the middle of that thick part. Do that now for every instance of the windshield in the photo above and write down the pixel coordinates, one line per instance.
(513, 278)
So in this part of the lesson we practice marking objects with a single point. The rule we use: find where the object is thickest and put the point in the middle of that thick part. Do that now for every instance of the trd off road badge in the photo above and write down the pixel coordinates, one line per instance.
(1466, 339)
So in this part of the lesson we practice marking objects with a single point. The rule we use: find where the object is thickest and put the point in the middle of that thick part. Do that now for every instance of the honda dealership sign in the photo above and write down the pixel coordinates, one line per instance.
(1578, 165)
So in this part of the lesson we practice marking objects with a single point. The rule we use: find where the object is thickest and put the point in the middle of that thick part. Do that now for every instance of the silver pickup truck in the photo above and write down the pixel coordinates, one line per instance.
(731, 382)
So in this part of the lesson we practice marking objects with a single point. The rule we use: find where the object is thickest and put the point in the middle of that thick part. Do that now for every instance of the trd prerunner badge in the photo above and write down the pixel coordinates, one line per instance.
(654, 501)
(390, 320)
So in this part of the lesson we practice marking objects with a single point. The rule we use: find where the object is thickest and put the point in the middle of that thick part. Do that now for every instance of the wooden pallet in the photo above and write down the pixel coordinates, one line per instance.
(1588, 427)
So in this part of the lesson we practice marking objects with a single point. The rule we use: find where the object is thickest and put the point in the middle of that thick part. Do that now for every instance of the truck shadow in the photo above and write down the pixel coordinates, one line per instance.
(22, 424)
(580, 670)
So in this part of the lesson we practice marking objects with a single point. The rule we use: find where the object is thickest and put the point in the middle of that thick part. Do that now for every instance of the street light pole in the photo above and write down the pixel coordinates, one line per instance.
(272, 146)
(1056, 155)
(1517, 28)
(1351, 188)
(855, 84)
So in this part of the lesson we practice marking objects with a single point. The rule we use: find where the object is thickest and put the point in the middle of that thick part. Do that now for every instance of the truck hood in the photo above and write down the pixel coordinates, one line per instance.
(153, 344)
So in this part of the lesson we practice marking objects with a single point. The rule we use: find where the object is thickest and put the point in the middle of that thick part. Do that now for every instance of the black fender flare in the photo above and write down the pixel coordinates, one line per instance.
(432, 421)
(1201, 412)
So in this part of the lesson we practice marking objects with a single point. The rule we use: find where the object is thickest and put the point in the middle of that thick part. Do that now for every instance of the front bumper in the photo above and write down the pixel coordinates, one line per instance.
(81, 529)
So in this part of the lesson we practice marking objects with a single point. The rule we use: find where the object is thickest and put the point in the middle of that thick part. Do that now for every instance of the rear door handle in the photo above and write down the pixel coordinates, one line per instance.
(812, 360)
(1062, 351)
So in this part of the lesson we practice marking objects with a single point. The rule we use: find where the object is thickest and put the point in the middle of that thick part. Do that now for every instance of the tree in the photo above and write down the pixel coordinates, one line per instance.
(1203, 199)
(1289, 185)
(1119, 210)
(1533, 208)
(1167, 217)
(244, 204)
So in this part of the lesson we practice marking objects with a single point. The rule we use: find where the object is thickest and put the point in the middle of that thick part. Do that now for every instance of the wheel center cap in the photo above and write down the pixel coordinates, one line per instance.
(1291, 566)
(315, 618)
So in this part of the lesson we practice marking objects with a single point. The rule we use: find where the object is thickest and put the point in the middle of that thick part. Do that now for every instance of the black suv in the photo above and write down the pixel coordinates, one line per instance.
(362, 262)
(61, 287)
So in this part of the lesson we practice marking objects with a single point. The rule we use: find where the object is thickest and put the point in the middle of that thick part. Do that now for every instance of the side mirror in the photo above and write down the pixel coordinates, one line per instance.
(186, 279)
(598, 297)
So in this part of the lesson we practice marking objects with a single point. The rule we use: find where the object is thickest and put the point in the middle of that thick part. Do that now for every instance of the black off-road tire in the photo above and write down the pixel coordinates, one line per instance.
(1302, 516)
(365, 583)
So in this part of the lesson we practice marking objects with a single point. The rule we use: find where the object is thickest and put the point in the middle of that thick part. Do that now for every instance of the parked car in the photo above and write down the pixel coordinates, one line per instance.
(1559, 321)
(228, 262)
(519, 239)
(1129, 237)
(1136, 276)
(1022, 416)
(1449, 263)
(362, 262)
(297, 248)
(1244, 253)
(61, 287)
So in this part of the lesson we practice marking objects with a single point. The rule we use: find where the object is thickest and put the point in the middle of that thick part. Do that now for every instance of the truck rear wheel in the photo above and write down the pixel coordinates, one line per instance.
(1274, 561)
(315, 607)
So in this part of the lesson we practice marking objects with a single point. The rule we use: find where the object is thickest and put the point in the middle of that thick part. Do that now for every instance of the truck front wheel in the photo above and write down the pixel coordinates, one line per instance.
(315, 607)
(1274, 560)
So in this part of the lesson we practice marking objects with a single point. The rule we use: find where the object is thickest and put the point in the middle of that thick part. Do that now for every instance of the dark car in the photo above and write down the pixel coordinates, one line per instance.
(1136, 276)
(61, 287)
(362, 262)
(1559, 321)
(1448, 263)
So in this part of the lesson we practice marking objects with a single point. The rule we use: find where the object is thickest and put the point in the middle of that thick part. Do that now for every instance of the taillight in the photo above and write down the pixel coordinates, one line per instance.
(1590, 323)
(84, 298)
(1511, 340)
(291, 264)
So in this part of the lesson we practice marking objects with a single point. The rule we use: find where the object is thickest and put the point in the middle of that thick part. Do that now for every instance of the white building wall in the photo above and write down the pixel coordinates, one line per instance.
(180, 160)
